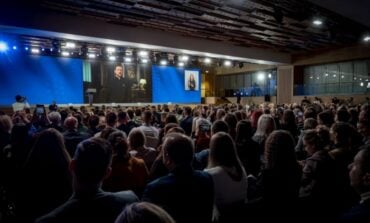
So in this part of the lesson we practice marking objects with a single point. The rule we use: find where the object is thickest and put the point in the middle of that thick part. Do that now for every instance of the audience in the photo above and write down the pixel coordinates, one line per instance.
(186, 194)
(89, 203)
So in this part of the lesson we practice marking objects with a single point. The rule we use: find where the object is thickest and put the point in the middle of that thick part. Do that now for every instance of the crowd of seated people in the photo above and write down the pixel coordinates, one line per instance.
(207, 163)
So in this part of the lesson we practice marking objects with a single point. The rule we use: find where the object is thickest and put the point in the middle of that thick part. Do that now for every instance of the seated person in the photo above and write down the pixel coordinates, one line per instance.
(89, 203)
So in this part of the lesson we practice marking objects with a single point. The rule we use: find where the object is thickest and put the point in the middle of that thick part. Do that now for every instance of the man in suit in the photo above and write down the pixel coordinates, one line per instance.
(119, 86)
(186, 194)
(89, 203)
(360, 181)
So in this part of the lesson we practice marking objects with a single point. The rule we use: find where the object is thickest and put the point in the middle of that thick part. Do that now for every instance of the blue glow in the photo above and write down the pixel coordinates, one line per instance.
(14, 47)
(26, 48)
(168, 85)
(3, 47)
(41, 79)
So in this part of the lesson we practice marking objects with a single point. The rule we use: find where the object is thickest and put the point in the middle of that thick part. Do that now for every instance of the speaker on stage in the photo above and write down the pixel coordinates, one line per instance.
(267, 98)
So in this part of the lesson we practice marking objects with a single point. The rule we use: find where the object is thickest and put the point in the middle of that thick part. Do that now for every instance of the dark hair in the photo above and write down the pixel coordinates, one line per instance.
(223, 153)
(244, 131)
(179, 147)
(279, 151)
(93, 121)
(93, 157)
(136, 138)
(219, 126)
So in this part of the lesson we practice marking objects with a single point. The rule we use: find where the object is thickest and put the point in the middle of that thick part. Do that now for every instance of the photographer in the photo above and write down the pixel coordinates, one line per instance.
(20, 103)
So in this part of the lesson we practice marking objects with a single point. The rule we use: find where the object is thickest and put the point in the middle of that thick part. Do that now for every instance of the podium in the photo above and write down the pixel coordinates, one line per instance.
(90, 95)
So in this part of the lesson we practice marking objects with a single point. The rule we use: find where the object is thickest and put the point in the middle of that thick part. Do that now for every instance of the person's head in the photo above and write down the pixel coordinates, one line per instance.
(360, 170)
(219, 126)
(342, 133)
(147, 117)
(178, 150)
(19, 98)
(92, 160)
(279, 151)
(136, 138)
(111, 119)
(144, 212)
(310, 123)
(5, 124)
(55, 118)
(223, 152)
(244, 130)
(265, 125)
(71, 123)
(118, 70)
(49, 152)
(312, 142)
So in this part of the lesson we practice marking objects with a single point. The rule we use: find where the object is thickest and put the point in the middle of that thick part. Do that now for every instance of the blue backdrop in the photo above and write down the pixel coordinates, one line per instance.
(168, 86)
(41, 79)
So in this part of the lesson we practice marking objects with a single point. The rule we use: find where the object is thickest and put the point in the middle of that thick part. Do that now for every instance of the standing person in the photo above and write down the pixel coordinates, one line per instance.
(191, 82)
(119, 86)
(20, 103)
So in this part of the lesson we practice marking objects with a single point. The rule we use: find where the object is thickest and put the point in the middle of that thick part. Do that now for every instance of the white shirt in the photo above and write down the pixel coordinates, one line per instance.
(227, 191)
(19, 106)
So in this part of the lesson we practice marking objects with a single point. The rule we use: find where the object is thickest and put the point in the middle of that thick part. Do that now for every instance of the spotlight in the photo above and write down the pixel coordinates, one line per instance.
(111, 49)
(261, 76)
(163, 62)
(112, 58)
(26, 48)
(207, 60)
(91, 55)
(128, 59)
(14, 47)
(3, 47)
(143, 53)
(144, 60)
(317, 22)
(65, 53)
(227, 63)
(70, 45)
(35, 50)
(269, 75)
(184, 58)
(181, 64)
(367, 38)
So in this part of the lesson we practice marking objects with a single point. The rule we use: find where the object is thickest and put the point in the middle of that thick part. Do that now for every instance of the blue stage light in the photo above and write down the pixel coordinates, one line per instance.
(3, 47)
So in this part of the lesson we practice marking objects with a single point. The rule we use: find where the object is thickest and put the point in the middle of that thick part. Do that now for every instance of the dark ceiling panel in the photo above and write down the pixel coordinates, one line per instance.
(284, 25)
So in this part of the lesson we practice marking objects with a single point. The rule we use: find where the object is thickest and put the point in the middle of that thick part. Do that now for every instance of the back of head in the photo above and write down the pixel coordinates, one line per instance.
(144, 212)
(5, 123)
(179, 148)
(111, 119)
(136, 138)
(219, 126)
(243, 130)
(147, 117)
(279, 151)
(222, 151)
(48, 150)
(343, 132)
(55, 117)
(266, 125)
(343, 115)
(310, 123)
(71, 123)
(92, 157)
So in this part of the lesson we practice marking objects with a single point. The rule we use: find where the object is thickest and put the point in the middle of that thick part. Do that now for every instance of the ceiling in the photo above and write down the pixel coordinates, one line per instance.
(278, 25)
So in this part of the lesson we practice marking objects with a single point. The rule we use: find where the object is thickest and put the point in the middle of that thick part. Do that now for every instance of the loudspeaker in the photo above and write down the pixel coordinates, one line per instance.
(267, 98)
